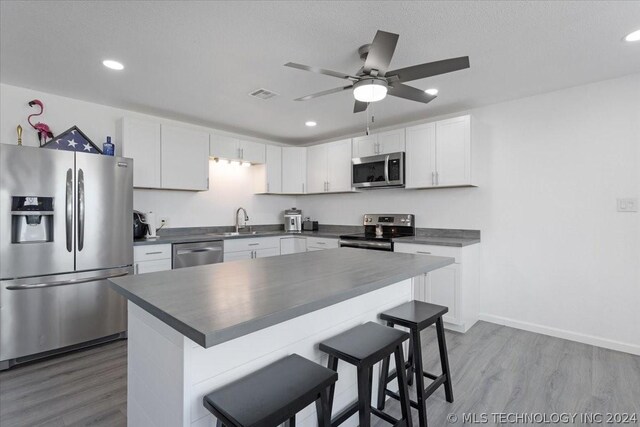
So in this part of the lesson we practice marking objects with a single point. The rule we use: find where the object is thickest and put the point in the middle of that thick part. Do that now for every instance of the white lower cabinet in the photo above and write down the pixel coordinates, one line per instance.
(151, 258)
(249, 248)
(454, 286)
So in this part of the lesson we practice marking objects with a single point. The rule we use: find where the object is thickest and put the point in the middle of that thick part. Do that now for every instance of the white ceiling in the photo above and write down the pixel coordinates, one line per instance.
(197, 61)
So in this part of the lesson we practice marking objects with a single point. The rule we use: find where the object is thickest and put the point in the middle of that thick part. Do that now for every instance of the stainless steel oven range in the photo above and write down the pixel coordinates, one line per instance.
(379, 231)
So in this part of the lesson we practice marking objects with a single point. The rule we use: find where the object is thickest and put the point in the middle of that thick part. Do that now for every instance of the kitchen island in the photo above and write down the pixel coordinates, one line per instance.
(192, 330)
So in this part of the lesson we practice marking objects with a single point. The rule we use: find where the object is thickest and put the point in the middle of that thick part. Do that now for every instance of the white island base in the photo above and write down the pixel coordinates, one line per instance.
(168, 373)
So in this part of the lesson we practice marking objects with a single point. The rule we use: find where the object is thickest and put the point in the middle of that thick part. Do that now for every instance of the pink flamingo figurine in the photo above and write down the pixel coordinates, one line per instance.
(43, 129)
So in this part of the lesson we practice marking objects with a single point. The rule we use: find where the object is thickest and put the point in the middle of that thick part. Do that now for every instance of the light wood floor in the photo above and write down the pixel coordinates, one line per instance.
(494, 368)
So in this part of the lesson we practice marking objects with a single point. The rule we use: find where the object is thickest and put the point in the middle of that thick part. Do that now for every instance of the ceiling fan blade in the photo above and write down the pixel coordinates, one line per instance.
(409, 92)
(429, 69)
(360, 106)
(324, 92)
(320, 71)
(381, 52)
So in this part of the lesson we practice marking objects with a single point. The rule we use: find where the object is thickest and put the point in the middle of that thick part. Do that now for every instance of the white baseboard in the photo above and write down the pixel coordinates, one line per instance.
(562, 333)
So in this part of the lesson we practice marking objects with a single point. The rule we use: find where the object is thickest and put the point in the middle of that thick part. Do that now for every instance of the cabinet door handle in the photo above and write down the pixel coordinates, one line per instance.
(303, 187)
(254, 244)
(423, 252)
(267, 187)
(153, 253)
(433, 178)
(437, 178)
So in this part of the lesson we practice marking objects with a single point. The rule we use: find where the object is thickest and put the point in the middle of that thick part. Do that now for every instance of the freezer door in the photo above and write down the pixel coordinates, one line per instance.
(51, 312)
(31, 171)
(104, 212)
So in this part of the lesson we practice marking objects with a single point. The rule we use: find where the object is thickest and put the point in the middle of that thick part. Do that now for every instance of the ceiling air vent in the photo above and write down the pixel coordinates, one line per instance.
(263, 94)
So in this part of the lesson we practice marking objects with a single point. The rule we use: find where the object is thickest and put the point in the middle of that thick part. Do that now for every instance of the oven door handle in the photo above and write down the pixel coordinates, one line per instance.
(365, 245)
(386, 169)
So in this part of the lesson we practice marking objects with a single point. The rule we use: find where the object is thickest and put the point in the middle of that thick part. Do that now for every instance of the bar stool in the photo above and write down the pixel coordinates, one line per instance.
(416, 316)
(274, 394)
(363, 347)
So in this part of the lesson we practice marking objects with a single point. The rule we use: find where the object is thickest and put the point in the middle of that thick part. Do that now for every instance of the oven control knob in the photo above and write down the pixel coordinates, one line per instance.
(402, 220)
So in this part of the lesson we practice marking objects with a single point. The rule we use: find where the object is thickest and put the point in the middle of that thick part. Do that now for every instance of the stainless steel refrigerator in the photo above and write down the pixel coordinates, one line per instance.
(65, 227)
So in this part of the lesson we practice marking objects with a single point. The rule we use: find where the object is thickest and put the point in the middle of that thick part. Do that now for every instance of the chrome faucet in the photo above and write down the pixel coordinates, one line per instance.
(246, 218)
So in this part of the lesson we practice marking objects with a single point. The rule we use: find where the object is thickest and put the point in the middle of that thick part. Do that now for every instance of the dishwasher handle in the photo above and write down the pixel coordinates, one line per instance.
(191, 251)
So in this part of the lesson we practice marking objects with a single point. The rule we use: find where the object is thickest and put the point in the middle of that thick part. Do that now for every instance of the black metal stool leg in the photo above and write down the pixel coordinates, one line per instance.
(323, 409)
(382, 384)
(444, 360)
(403, 390)
(411, 371)
(418, 369)
(333, 365)
(219, 423)
(291, 422)
(364, 396)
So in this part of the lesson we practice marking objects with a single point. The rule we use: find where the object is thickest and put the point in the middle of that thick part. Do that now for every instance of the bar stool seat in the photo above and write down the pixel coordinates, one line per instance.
(417, 316)
(274, 394)
(364, 346)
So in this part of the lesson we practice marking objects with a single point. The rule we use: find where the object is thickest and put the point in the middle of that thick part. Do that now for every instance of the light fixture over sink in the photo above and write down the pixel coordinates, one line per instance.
(370, 90)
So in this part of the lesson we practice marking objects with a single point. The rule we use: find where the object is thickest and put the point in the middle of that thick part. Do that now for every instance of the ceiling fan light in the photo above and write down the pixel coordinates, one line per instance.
(633, 37)
(370, 90)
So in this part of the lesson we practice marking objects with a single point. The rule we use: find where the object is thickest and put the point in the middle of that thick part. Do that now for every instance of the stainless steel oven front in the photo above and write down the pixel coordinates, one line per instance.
(385, 170)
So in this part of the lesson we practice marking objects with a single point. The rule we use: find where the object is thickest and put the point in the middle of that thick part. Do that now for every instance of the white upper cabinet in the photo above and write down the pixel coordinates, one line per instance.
(382, 143)
(223, 146)
(141, 141)
(391, 142)
(294, 170)
(253, 152)
(329, 167)
(365, 146)
(339, 166)
(232, 148)
(273, 169)
(453, 151)
(439, 154)
(185, 159)
(420, 158)
(317, 168)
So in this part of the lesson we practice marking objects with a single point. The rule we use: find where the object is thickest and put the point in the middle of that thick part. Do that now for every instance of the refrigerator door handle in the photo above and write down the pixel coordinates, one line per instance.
(80, 209)
(69, 210)
(64, 282)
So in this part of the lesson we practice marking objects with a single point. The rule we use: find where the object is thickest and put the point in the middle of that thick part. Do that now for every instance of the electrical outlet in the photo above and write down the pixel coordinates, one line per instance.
(628, 205)
(164, 222)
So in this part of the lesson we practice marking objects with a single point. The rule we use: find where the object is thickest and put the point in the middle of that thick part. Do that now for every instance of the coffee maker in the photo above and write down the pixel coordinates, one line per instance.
(293, 220)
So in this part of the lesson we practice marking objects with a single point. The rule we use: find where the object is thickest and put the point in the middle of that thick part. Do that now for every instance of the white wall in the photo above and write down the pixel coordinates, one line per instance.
(556, 256)
(230, 187)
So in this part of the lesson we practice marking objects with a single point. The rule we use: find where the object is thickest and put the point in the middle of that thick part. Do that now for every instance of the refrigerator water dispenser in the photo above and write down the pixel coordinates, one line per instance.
(31, 219)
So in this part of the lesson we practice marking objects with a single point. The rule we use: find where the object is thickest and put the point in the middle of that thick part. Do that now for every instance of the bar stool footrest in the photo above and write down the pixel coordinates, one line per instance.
(352, 409)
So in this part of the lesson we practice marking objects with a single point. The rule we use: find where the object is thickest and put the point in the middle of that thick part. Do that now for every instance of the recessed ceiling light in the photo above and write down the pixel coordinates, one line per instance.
(234, 163)
(246, 164)
(633, 37)
(432, 92)
(310, 123)
(114, 65)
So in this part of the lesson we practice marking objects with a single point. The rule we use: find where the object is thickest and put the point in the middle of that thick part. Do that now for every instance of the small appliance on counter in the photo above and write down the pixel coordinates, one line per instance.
(144, 225)
(139, 225)
(308, 225)
(293, 220)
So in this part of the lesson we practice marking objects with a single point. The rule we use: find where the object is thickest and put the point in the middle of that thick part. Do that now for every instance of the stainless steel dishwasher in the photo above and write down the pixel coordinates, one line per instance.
(197, 253)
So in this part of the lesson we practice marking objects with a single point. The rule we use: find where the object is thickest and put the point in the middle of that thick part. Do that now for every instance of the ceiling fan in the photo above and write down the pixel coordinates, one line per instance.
(373, 81)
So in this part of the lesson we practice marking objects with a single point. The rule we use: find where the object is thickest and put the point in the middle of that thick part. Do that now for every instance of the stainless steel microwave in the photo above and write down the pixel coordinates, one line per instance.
(385, 170)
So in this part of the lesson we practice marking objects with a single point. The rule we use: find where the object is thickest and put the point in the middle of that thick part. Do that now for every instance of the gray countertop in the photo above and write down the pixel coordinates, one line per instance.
(438, 240)
(215, 303)
(207, 237)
